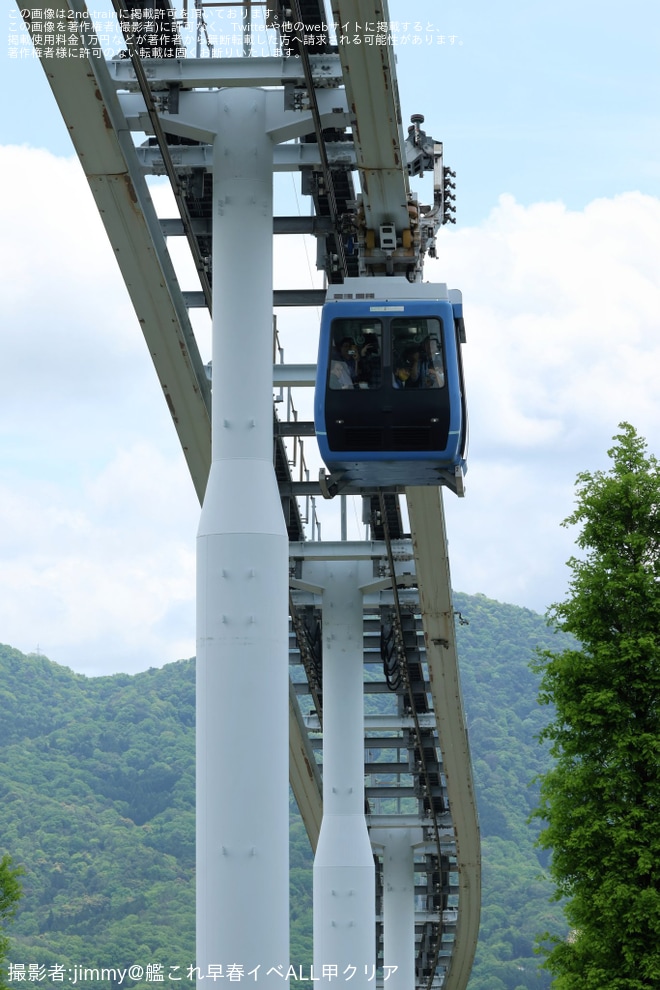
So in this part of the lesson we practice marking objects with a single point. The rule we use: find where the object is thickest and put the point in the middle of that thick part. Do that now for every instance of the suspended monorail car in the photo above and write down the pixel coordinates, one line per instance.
(389, 407)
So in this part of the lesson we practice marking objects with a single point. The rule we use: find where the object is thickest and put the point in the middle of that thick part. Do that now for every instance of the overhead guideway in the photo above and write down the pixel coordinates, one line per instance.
(373, 100)
(393, 238)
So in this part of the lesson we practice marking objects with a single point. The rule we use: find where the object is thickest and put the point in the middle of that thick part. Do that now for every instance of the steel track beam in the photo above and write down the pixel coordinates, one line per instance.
(373, 101)
(427, 524)
(205, 73)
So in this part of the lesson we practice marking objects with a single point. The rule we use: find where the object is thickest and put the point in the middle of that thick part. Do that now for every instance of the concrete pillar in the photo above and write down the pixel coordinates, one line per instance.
(242, 580)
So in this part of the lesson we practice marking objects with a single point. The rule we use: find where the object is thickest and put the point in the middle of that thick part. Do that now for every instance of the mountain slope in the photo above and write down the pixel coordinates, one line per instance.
(97, 802)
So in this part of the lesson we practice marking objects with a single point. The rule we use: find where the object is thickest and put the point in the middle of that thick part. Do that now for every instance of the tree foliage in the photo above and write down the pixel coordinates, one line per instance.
(601, 799)
(10, 894)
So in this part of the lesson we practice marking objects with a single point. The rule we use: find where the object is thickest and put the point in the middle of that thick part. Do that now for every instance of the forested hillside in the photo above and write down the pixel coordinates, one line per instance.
(97, 804)
(499, 692)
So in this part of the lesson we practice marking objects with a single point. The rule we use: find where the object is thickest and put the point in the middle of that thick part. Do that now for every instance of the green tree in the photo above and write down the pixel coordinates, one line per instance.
(10, 893)
(601, 799)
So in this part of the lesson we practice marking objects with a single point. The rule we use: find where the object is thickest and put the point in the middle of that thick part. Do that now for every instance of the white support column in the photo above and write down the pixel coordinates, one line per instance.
(399, 907)
(242, 580)
(344, 874)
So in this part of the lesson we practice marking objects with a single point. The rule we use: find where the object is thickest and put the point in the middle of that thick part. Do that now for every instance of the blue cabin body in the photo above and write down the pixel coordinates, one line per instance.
(389, 408)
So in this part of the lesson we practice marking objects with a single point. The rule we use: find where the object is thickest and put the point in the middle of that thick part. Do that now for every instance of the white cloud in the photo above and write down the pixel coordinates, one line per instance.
(102, 576)
(562, 315)
(98, 512)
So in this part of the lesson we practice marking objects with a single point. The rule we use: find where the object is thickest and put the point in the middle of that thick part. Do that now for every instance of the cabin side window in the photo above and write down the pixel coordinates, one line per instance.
(356, 354)
(417, 359)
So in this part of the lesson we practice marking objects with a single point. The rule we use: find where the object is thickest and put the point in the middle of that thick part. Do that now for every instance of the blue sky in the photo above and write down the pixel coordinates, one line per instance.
(544, 101)
(549, 115)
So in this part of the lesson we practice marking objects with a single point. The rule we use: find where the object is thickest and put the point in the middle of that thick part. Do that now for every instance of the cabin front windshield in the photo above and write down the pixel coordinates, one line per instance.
(417, 360)
(356, 354)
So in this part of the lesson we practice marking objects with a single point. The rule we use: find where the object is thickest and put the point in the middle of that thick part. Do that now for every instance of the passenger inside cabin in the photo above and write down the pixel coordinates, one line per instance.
(344, 365)
(407, 372)
(369, 364)
(431, 371)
